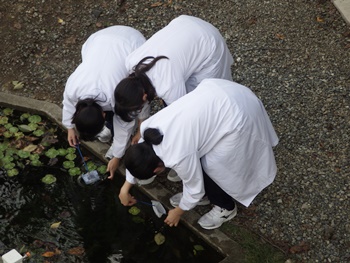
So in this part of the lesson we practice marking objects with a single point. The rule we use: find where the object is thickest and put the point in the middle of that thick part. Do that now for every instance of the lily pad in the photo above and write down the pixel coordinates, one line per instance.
(102, 169)
(35, 156)
(49, 179)
(134, 210)
(51, 153)
(68, 164)
(7, 111)
(159, 238)
(33, 126)
(38, 133)
(91, 166)
(36, 162)
(24, 116)
(71, 156)
(71, 150)
(3, 120)
(34, 119)
(12, 172)
(62, 152)
(23, 154)
(74, 171)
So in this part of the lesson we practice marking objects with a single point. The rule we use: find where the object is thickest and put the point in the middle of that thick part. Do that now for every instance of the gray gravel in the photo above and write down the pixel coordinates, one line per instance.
(295, 55)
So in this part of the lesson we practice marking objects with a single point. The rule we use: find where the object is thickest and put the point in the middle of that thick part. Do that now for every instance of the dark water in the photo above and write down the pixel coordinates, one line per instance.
(94, 226)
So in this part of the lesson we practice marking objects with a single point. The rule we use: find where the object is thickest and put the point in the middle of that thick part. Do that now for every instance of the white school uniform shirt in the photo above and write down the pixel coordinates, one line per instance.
(226, 126)
(196, 50)
(102, 68)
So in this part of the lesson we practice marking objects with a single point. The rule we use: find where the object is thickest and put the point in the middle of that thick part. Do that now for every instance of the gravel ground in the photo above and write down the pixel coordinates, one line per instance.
(293, 54)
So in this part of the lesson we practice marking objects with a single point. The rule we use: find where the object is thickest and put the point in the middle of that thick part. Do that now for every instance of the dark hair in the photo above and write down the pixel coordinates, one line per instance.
(88, 119)
(140, 159)
(128, 94)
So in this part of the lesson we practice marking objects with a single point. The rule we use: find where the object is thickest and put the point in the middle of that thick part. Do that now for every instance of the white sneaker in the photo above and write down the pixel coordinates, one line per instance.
(109, 153)
(175, 200)
(146, 181)
(105, 135)
(172, 176)
(216, 217)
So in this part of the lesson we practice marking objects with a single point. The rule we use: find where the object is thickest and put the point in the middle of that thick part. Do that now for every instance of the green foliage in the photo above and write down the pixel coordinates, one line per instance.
(24, 116)
(68, 164)
(62, 152)
(34, 119)
(51, 153)
(71, 156)
(134, 210)
(49, 179)
(102, 169)
(91, 166)
(23, 154)
(74, 171)
(7, 111)
(3, 120)
(12, 172)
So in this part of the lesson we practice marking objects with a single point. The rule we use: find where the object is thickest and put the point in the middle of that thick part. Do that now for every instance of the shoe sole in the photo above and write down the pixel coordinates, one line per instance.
(227, 219)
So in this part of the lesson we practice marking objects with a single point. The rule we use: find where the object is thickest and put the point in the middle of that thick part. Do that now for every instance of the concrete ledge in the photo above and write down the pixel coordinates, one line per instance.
(215, 238)
(343, 7)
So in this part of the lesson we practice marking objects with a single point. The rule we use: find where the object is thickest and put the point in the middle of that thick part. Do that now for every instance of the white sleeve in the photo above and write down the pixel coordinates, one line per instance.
(122, 134)
(129, 178)
(68, 111)
(190, 171)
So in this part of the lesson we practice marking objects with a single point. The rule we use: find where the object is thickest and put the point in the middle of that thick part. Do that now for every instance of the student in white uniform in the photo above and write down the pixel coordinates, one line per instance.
(218, 139)
(89, 90)
(173, 62)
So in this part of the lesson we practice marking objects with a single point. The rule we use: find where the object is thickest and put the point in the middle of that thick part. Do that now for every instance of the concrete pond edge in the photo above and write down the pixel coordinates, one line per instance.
(215, 238)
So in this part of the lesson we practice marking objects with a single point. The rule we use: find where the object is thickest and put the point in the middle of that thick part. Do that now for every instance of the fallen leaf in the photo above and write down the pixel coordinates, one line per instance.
(60, 21)
(300, 248)
(76, 251)
(319, 19)
(17, 84)
(156, 4)
(55, 225)
(280, 36)
(48, 254)
(30, 148)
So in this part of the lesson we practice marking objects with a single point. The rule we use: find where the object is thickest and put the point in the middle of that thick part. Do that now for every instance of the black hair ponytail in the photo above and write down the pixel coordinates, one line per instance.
(129, 92)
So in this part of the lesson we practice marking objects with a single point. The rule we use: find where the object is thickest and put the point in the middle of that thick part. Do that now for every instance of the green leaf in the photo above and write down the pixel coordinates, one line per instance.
(198, 248)
(36, 162)
(134, 210)
(13, 129)
(71, 156)
(34, 156)
(49, 179)
(9, 166)
(51, 153)
(33, 126)
(38, 133)
(68, 164)
(3, 120)
(24, 116)
(91, 166)
(24, 128)
(34, 119)
(7, 134)
(12, 172)
(71, 150)
(62, 152)
(74, 171)
(102, 169)
(159, 238)
(7, 111)
(23, 154)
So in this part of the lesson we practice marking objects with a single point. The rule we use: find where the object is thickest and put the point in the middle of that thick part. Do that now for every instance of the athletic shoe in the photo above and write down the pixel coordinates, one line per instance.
(173, 177)
(146, 181)
(216, 217)
(175, 200)
(105, 135)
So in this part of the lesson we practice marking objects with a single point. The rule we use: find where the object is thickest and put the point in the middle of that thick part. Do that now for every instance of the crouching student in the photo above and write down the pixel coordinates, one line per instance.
(89, 90)
(171, 64)
(218, 139)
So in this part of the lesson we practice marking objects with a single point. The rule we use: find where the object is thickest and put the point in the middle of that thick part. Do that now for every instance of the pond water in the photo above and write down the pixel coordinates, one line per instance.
(63, 221)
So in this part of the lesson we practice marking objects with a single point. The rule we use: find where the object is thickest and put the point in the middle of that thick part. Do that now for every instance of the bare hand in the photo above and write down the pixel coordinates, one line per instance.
(112, 167)
(174, 216)
(125, 198)
(72, 138)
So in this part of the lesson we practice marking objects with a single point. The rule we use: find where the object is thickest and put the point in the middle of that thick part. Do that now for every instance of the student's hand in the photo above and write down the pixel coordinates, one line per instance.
(72, 137)
(125, 197)
(112, 167)
(136, 138)
(174, 216)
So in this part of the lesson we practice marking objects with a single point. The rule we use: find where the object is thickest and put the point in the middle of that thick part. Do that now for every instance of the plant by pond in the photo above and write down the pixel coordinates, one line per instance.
(46, 212)
(28, 140)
